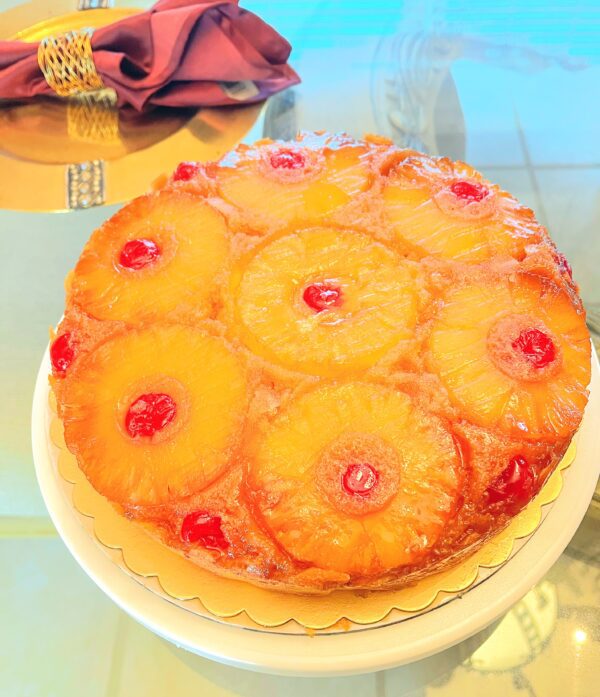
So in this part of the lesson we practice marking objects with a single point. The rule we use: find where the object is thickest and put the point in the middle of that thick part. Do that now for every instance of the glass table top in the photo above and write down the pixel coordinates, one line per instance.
(512, 88)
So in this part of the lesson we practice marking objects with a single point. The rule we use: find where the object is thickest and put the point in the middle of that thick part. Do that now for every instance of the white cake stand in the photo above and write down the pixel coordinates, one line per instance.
(365, 649)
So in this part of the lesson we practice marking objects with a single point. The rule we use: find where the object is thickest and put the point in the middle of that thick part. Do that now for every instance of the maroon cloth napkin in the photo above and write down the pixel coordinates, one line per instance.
(180, 53)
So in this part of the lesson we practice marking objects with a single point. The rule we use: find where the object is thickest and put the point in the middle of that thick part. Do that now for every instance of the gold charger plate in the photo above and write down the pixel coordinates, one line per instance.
(78, 153)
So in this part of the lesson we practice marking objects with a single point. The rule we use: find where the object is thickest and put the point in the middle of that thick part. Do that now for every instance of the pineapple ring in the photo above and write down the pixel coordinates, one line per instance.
(428, 217)
(204, 378)
(286, 479)
(464, 352)
(192, 239)
(375, 305)
(303, 191)
(372, 488)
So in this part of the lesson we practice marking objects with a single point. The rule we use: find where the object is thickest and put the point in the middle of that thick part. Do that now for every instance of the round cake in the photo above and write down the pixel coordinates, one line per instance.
(322, 364)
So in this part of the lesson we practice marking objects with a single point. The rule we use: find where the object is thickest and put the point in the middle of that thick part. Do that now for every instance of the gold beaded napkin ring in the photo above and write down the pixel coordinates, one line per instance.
(67, 63)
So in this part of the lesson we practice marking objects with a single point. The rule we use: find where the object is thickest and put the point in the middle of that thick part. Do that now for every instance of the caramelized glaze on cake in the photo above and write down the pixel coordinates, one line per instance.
(321, 364)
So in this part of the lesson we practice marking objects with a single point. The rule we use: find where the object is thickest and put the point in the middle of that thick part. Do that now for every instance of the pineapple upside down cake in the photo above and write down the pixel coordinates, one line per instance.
(321, 364)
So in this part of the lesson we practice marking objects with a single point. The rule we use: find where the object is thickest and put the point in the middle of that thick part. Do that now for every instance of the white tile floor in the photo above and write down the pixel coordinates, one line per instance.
(39, 579)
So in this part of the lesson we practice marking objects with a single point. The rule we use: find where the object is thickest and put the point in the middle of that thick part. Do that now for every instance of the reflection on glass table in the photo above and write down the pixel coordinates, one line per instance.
(511, 88)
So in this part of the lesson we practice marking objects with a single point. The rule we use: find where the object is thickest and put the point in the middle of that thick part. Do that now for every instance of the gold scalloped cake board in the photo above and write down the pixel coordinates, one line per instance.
(225, 598)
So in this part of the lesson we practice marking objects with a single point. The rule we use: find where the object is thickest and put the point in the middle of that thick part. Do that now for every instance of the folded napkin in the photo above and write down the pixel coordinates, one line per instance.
(180, 53)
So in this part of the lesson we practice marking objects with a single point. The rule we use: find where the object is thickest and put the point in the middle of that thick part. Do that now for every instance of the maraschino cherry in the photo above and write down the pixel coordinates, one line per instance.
(516, 483)
(469, 191)
(563, 264)
(186, 171)
(62, 353)
(536, 346)
(204, 528)
(149, 414)
(359, 479)
(287, 158)
(136, 254)
(322, 296)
